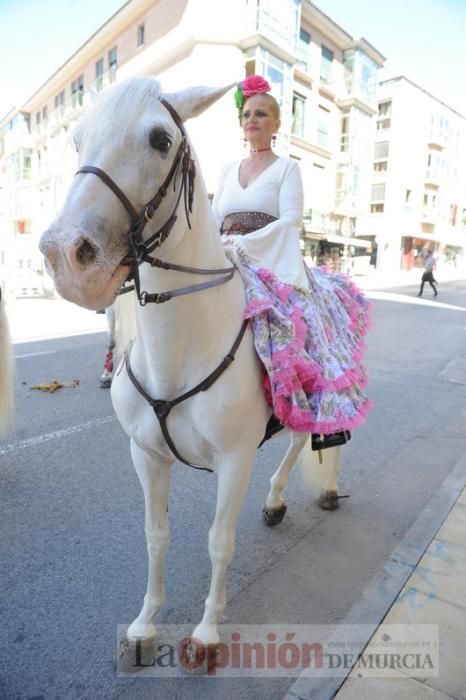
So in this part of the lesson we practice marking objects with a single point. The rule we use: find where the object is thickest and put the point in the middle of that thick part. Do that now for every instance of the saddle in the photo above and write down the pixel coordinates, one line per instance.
(319, 441)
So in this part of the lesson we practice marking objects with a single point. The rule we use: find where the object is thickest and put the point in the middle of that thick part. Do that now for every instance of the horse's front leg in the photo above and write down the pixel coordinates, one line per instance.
(154, 475)
(233, 480)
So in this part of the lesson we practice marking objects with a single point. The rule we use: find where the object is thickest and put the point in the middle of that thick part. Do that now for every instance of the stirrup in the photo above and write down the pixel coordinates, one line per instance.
(323, 442)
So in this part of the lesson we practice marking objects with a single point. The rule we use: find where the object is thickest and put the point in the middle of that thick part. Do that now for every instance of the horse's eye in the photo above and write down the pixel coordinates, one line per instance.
(160, 141)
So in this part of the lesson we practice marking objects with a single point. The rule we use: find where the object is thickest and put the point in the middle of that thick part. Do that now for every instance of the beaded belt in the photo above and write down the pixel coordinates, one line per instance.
(244, 222)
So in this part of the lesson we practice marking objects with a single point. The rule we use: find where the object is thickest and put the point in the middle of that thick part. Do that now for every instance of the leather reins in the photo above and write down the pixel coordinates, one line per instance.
(140, 251)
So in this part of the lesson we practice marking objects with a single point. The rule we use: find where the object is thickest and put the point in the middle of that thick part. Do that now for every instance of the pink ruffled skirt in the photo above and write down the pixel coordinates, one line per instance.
(311, 344)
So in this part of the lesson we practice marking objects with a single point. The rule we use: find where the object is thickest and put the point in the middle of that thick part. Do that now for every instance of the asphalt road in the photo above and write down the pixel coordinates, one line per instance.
(72, 546)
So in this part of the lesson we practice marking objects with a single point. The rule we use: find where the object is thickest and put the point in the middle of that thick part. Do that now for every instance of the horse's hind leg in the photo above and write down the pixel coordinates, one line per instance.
(154, 475)
(275, 507)
(328, 499)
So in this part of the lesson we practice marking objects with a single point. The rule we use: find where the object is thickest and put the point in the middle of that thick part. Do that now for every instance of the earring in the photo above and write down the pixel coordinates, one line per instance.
(274, 139)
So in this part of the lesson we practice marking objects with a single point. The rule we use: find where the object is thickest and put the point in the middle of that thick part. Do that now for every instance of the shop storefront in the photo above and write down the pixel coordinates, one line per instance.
(339, 253)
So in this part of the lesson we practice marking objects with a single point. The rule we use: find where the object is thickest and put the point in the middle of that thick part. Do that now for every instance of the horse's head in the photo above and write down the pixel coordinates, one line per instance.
(131, 148)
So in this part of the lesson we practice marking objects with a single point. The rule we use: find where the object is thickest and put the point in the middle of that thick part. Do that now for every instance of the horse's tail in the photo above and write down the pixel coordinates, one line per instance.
(319, 473)
(6, 372)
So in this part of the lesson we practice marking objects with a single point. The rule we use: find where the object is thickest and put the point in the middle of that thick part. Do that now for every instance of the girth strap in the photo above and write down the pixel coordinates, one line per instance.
(162, 408)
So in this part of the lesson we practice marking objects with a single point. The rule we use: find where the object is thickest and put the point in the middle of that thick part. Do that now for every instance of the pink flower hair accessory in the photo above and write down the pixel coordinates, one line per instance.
(252, 85)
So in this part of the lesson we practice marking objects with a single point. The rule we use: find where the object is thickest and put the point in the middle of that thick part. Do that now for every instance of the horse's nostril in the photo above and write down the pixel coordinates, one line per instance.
(86, 253)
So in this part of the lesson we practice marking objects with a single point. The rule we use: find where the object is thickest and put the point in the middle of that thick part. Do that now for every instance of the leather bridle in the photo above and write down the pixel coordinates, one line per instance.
(140, 251)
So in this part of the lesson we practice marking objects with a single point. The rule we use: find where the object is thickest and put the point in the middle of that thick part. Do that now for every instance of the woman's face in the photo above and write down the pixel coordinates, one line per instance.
(259, 121)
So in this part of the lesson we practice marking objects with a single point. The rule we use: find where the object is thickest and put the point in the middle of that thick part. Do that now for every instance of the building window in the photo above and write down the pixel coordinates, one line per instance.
(274, 70)
(326, 65)
(381, 150)
(140, 39)
(22, 162)
(385, 108)
(453, 213)
(77, 91)
(299, 108)
(344, 140)
(302, 49)
(383, 124)
(37, 119)
(112, 64)
(378, 193)
(60, 102)
(99, 74)
(277, 19)
(323, 117)
(380, 166)
(44, 113)
(377, 208)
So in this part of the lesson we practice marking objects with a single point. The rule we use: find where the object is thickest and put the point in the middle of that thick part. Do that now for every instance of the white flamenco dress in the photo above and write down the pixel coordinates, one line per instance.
(308, 324)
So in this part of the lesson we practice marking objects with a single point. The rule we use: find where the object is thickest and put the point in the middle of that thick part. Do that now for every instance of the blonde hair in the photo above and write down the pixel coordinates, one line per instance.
(273, 103)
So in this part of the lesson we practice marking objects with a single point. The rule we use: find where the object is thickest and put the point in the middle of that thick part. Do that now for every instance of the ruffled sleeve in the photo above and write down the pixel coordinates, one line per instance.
(276, 246)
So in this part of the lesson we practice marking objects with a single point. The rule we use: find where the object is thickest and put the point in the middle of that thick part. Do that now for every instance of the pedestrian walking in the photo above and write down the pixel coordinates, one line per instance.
(428, 274)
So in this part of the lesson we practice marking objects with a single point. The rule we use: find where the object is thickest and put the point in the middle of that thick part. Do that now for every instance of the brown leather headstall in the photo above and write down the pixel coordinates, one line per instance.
(182, 163)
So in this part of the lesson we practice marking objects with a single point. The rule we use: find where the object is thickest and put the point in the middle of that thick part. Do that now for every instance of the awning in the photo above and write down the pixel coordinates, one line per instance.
(445, 240)
(342, 240)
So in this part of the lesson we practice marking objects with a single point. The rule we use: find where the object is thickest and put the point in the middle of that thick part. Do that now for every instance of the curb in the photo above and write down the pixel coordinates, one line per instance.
(380, 594)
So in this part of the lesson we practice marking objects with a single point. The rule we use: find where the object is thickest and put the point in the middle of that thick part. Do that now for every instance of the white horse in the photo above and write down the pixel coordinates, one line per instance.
(6, 372)
(131, 196)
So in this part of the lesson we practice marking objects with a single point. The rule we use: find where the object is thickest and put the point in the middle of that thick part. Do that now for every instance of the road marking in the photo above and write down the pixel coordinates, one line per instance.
(403, 299)
(35, 354)
(56, 435)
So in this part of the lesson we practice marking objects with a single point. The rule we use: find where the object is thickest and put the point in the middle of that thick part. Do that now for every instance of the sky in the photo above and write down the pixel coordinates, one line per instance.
(421, 39)
(38, 36)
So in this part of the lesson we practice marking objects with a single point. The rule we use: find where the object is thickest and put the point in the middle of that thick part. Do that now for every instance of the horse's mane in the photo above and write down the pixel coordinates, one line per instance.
(122, 105)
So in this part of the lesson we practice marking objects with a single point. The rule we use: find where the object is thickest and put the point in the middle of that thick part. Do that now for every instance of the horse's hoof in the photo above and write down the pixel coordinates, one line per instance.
(197, 658)
(328, 500)
(273, 516)
(135, 654)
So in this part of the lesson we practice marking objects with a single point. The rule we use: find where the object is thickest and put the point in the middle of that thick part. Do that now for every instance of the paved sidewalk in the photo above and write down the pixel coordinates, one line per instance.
(422, 583)
(39, 319)
(435, 594)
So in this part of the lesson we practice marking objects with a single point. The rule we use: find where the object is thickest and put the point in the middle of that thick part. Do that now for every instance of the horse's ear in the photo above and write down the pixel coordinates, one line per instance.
(193, 101)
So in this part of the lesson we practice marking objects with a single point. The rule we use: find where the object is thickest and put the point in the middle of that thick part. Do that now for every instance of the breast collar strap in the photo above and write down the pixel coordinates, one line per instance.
(162, 407)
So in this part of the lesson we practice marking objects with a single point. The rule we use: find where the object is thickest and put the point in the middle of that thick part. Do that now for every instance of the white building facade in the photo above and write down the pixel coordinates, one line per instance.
(325, 80)
(418, 197)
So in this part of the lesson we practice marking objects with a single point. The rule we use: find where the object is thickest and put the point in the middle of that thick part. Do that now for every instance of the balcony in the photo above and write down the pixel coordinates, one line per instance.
(317, 222)
(430, 215)
(437, 139)
(433, 177)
